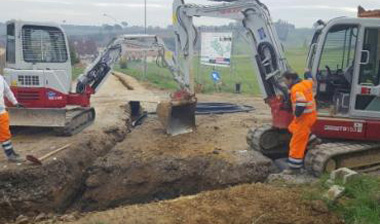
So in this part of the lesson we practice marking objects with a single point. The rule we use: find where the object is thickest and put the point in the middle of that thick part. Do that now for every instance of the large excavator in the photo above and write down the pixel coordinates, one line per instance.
(344, 59)
(38, 70)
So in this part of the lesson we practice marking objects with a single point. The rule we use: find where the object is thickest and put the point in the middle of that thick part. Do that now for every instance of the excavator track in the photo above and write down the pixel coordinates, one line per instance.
(359, 156)
(322, 158)
(271, 142)
(76, 120)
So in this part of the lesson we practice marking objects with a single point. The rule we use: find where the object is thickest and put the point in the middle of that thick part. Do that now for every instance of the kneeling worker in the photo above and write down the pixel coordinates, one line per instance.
(5, 134)
(305, 115)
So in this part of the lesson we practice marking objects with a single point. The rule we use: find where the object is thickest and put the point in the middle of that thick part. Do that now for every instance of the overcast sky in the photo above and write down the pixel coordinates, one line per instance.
(302, 13)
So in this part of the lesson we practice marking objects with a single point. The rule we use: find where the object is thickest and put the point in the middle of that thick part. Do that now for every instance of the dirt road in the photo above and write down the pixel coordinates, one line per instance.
(39, 141)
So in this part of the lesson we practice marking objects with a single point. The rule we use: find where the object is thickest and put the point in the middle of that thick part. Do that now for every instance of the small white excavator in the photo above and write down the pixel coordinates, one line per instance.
(38, 70)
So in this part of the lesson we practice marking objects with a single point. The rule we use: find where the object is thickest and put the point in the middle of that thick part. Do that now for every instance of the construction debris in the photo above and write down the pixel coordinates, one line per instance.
(334, 193)
(344, 175)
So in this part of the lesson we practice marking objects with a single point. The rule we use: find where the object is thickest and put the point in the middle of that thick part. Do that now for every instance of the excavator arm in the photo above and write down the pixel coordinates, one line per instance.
(97, 73)
(177, 115)
(267, 52)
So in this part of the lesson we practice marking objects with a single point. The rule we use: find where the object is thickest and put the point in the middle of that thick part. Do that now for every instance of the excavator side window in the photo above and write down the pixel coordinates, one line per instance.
(11, 44)
(369, 75)
(43, 45)
(335, 70)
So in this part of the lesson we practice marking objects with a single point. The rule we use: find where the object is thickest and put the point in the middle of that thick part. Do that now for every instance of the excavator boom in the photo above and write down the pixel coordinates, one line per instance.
(176, 115)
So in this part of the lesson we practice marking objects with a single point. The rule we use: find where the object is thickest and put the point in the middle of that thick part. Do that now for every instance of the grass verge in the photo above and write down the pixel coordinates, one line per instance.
(360, 203)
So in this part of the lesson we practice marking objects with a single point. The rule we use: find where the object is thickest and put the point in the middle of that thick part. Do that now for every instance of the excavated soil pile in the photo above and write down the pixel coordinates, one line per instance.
(149, 165)
(255, 203)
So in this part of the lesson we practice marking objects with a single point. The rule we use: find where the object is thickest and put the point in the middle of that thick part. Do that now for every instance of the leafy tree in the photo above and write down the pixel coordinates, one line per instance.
(107, 27)
(117, 27)
(73, 54)
(124, 24)
(123, 63)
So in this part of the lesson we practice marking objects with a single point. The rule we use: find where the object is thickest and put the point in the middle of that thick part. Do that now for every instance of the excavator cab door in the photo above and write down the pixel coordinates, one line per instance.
(346, 68)
(335, 59)
(365, 97)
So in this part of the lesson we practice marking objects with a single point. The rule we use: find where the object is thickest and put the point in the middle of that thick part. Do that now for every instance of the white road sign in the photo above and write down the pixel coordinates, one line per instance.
(216, 49)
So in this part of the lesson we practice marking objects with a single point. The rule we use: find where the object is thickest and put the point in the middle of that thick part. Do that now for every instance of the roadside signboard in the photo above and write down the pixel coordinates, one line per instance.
(216, 49)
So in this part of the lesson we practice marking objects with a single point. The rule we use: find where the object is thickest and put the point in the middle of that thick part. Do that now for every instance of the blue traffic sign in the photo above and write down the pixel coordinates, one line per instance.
(215, 76)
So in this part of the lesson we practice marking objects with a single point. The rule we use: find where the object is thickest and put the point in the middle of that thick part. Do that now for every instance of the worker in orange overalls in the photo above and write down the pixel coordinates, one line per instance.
(305, 115)
(5, 134)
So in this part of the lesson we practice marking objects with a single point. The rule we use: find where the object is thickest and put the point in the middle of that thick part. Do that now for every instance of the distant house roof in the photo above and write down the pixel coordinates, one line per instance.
(368, 13)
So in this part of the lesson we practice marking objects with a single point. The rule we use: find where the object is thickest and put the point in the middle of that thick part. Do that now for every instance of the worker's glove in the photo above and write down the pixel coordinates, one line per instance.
(20, 105)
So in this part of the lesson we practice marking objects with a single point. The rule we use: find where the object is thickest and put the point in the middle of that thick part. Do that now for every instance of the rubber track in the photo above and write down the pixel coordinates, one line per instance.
(254, 141)
(71, 118)
(253, 137)
(317, 158)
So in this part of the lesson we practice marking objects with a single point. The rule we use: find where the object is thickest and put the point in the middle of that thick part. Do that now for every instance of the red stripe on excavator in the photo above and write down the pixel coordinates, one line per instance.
(49, 98)
(347, 129)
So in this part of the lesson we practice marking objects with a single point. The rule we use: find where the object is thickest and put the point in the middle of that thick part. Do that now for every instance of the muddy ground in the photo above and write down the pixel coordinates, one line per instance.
(149, 165)
(29, 189)
(110, 164)
(141, 175)
(140, 169)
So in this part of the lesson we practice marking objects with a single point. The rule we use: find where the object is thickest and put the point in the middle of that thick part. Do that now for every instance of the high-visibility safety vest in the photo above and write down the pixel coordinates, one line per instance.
(302, 95)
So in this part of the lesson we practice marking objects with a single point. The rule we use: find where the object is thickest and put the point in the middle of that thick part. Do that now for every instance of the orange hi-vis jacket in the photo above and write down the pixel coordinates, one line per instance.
(301, 95)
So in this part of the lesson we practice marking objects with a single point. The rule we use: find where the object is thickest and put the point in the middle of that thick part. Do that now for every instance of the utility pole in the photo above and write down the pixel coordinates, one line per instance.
(145, 15)
(145, 57)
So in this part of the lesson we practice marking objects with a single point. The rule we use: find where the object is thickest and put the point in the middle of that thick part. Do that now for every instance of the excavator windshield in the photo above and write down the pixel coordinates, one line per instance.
(42, 44)
(336, 65)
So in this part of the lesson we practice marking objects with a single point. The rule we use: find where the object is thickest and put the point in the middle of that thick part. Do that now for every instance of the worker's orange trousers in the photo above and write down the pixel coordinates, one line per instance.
(5, 133)
(300, 129)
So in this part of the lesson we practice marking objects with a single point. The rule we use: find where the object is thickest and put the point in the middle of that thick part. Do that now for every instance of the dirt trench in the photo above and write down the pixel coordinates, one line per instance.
(149, 165)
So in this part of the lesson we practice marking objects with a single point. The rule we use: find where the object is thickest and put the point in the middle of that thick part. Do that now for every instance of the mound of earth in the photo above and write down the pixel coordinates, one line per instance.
(253, 203)
(149, 165)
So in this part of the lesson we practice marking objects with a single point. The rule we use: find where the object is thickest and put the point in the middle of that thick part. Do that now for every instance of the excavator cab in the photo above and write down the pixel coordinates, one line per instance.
(345, 63)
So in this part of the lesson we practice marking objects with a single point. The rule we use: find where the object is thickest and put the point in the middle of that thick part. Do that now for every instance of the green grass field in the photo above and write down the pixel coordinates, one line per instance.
(76, 71)
(241, 72)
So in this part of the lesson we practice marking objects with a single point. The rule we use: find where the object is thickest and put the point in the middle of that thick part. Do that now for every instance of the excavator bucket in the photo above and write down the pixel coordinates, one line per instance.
(177, 117)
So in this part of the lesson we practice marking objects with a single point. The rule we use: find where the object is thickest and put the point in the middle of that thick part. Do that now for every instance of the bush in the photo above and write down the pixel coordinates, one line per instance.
(123, 63)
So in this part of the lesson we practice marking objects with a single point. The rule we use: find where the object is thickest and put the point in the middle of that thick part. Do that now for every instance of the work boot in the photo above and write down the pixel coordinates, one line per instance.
(15, 158)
